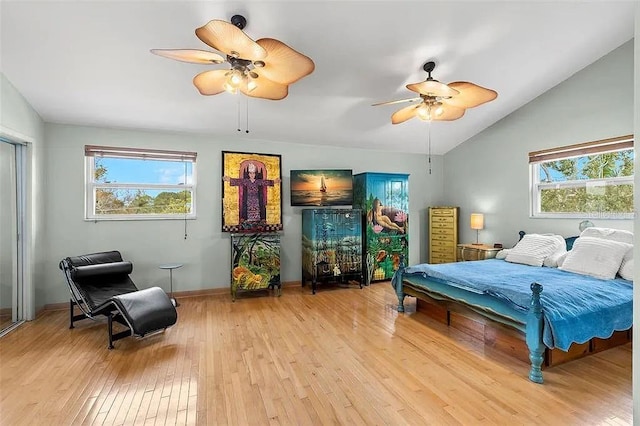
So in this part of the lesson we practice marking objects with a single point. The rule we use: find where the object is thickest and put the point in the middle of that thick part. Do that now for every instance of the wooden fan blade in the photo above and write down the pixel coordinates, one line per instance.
(449, 113)
(471, 95)
(397, 102)
(433, 88)
(231, 40)
(266, 89)
(193, 56)
(210, 82)
(404, 114)
(283, 64)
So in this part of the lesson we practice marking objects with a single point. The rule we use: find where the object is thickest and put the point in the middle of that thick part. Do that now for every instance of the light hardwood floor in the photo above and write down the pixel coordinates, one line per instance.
(342, 356)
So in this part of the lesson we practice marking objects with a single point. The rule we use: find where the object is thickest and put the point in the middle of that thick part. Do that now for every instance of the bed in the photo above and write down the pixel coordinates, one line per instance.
(551, 308)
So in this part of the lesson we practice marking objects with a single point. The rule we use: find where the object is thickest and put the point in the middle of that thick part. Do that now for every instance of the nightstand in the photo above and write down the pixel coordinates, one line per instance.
(476, 252)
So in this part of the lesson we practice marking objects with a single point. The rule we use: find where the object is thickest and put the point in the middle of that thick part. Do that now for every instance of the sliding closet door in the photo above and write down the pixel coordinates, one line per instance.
(11, 311)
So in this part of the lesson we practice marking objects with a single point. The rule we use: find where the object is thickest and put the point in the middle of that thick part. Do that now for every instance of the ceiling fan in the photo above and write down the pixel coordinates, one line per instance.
(439, 101)
(261, 69)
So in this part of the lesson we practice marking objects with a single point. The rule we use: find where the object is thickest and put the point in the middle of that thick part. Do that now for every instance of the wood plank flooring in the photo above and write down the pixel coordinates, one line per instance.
(342, 356)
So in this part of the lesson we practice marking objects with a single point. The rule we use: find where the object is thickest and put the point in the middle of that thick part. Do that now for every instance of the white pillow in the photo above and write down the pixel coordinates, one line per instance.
(614, 235)
(553, 260)
(626, 267)
(533, 249)
(562, 258)
(598, 257)
(626, 270)
(502, 253)
(609, 234)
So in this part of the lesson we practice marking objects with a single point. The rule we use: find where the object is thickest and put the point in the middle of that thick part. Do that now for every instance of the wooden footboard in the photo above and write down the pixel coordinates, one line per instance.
(530, 324)
(506, 339)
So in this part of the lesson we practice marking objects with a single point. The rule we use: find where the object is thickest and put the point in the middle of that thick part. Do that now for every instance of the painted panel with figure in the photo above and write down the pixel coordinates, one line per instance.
(384, 200)
(251, 192)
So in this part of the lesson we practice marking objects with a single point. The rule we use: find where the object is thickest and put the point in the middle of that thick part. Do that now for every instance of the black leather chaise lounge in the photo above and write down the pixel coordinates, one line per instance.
(100, 285)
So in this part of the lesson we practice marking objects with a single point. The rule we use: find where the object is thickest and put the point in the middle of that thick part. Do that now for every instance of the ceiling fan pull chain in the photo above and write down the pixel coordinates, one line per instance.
(429, 143)
(185, 199)
(239, 113)
(247, 115)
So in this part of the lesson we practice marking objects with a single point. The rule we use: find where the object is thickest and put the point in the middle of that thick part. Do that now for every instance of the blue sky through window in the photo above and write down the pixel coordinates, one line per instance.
(556, 176)
(133, 170)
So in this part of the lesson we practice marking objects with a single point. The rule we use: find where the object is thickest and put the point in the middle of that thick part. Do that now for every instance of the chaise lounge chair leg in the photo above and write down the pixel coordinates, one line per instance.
(71, 314)
(110, 322)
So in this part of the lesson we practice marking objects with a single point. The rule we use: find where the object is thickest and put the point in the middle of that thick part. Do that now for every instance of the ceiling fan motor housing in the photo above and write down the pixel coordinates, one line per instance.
(239, 21)
(429, 66)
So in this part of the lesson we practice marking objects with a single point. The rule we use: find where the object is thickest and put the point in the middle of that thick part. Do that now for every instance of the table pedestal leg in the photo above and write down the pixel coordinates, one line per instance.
(173, 300)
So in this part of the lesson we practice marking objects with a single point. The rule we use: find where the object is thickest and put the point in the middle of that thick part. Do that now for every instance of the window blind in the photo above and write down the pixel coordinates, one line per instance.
(155, 154)
(586, 148)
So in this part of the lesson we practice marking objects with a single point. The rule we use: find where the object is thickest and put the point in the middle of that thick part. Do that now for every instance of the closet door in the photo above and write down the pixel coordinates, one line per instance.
(10, 225)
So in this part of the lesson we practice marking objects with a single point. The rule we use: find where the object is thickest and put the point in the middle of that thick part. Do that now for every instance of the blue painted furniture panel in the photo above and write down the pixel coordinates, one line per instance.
(384, 201)
(331, 246)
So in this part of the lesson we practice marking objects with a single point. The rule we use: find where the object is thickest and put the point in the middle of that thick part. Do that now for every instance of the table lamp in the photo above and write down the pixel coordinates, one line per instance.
(477, 223)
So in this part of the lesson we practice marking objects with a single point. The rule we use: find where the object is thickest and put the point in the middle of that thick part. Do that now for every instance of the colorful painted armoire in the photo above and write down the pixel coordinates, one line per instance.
(255, 263)
(384, 201)
(331, 246)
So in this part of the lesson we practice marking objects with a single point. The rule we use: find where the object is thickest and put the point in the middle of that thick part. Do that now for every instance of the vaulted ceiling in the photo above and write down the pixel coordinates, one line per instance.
(88, 63)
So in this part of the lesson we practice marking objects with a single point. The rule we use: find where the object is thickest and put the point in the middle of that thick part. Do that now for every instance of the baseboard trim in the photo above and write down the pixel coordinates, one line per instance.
(218, 291)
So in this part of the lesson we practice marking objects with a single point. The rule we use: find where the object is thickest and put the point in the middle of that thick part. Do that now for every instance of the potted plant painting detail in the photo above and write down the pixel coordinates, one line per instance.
(255, 263)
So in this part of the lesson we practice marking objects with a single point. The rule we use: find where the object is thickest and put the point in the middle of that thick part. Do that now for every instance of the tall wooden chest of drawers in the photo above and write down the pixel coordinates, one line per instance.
(443, 234)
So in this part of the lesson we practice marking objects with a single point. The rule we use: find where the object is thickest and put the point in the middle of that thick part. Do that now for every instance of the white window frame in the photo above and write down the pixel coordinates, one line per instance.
(574, 151)
(91, 186)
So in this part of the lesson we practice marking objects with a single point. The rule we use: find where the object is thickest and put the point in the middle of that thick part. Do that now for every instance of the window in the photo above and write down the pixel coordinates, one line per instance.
(592, 180)
(130, 183)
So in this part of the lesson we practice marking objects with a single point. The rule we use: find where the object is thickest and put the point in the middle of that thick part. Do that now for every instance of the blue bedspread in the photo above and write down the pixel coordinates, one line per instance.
(576, 307)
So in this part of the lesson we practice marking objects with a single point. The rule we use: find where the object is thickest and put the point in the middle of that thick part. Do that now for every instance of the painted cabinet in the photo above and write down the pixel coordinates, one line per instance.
(255, 263)
(384, 201)
(331, 247)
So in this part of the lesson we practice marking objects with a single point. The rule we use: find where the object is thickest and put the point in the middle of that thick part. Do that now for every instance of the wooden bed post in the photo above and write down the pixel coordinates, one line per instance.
(396, 282)
(534, 334)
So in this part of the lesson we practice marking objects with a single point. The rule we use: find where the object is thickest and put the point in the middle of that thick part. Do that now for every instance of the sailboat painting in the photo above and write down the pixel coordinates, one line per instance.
(332, 187)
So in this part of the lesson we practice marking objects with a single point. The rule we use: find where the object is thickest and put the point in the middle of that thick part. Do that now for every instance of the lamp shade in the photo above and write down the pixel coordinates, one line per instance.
(477, 221)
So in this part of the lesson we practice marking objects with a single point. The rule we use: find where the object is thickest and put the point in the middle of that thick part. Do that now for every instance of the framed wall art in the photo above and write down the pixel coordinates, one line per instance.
(322, 187)
(251, 192)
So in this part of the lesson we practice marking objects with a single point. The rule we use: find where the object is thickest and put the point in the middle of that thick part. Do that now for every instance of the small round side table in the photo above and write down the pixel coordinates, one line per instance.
(171, 267)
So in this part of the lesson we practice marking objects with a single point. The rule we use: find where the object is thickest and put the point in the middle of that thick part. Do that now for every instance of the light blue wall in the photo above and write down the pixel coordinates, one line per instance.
(206, 251)
(19, 122)
(489, 173)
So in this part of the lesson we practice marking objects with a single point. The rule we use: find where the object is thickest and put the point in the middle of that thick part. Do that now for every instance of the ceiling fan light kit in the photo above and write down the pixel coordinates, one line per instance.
(260, 69)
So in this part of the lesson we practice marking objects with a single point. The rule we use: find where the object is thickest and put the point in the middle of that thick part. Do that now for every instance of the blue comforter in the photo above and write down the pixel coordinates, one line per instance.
(576, 307)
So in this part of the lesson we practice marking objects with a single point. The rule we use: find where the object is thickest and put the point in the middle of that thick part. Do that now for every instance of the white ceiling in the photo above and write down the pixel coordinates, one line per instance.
(88, 62)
